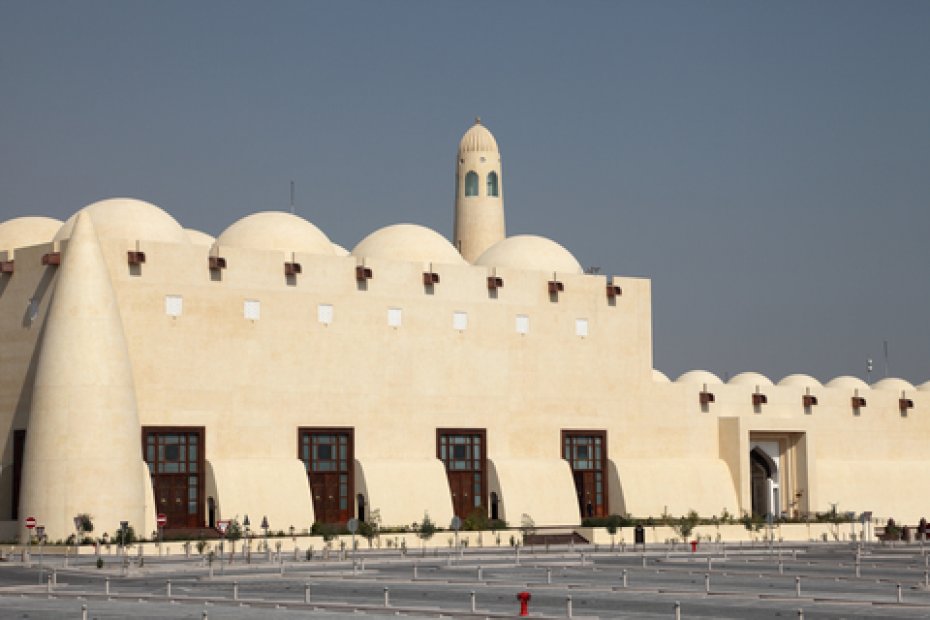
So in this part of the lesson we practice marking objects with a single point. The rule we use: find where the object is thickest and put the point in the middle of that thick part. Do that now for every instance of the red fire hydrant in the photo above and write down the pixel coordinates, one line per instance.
(524, 598)
(693, 546)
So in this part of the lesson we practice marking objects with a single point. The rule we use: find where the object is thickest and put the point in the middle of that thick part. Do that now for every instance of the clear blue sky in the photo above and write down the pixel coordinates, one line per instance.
(766, 164)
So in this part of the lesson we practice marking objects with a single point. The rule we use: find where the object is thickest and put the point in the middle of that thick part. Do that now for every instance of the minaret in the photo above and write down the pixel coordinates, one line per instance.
(479, 193)
(83, 450)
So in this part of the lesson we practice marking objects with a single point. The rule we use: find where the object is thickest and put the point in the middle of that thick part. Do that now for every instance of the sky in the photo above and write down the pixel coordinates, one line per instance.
(765, 164)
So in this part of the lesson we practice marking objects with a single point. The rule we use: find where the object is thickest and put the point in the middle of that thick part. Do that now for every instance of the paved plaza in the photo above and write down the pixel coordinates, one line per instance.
(732, 581)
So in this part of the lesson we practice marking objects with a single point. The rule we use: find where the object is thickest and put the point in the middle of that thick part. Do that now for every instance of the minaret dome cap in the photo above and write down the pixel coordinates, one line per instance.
(478, 138)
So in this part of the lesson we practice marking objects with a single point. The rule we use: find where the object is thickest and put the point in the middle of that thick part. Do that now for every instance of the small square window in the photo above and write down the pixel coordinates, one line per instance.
(460, 321)
(174, 305)
(252, 309)
(394, 317)
(581, 327)
(324, 313)
(523, 324)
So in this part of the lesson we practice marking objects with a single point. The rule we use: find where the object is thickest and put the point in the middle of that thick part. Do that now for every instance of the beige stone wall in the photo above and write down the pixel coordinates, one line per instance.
(252, 384)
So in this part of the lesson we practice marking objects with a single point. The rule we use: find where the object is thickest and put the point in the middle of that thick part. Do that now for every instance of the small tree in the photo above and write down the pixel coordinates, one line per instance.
(233, 533)
(686, 524)
(85, 524)
(613, 524)
(126, 536)
(892, 531)
(425, 531)
(476, 520)
(527, 526)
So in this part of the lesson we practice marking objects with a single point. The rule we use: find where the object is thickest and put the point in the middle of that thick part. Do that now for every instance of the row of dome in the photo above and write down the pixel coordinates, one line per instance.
(130, 219)
(754, 379)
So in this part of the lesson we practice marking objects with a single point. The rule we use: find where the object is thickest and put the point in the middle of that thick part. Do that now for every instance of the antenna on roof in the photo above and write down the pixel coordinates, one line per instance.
(292, 197)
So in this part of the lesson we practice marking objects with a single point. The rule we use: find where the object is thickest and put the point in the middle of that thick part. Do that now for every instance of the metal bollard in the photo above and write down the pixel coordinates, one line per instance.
(282, 569)
(387, 597)
(307, 593)
(707, 582)
(781, 567)
(235, 590)
(795, 555)
(927, 579)
(518, 554)
(55, 576)
(800, 614)
(168, 588)
(624, 577)
(677, 610)
(211, 570)
(48, 586)
(568, 605)
(797, 586)
(900, 594)
(415, 576)
(363, 565)
(710, 563)
(473, 608)
(106, 586)
(479, 572)
(84, 611)
(548, 575)
(644, 560)
(204, 615)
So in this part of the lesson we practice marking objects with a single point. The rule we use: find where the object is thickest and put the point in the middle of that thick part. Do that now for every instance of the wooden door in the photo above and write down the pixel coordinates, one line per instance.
(171, 498)
(460, 485)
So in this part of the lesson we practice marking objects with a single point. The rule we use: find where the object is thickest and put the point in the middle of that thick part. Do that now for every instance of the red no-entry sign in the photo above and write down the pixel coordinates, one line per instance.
(161, 519)
(30, 523)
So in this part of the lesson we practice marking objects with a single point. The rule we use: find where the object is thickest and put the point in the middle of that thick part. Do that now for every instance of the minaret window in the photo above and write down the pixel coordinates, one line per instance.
(492, 184)
(471, 183)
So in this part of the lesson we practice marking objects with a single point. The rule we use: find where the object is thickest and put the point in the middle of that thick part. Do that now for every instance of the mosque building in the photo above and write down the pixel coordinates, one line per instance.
(146, 368)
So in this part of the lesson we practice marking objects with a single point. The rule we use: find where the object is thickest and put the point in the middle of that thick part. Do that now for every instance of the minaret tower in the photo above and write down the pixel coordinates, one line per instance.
(479, 193)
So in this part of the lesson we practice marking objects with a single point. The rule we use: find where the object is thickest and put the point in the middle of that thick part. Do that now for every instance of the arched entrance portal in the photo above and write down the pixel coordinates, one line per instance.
(764, 483)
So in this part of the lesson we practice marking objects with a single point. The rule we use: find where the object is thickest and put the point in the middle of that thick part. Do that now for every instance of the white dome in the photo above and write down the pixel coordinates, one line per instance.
(530, 253)
(339, 250)
(408, 242)
(798, 380)
(850, 383)
(751, 379)
(699, 377)
(892, 384)
(659, 377)
(276, 230)
(478, 138)
(130, 219)
(22, 232)
(924, 387)
(199, 238)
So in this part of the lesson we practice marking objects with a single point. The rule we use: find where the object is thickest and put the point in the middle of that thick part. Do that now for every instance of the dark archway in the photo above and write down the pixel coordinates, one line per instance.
(763, 470)
(495, 511)
(361, 507)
